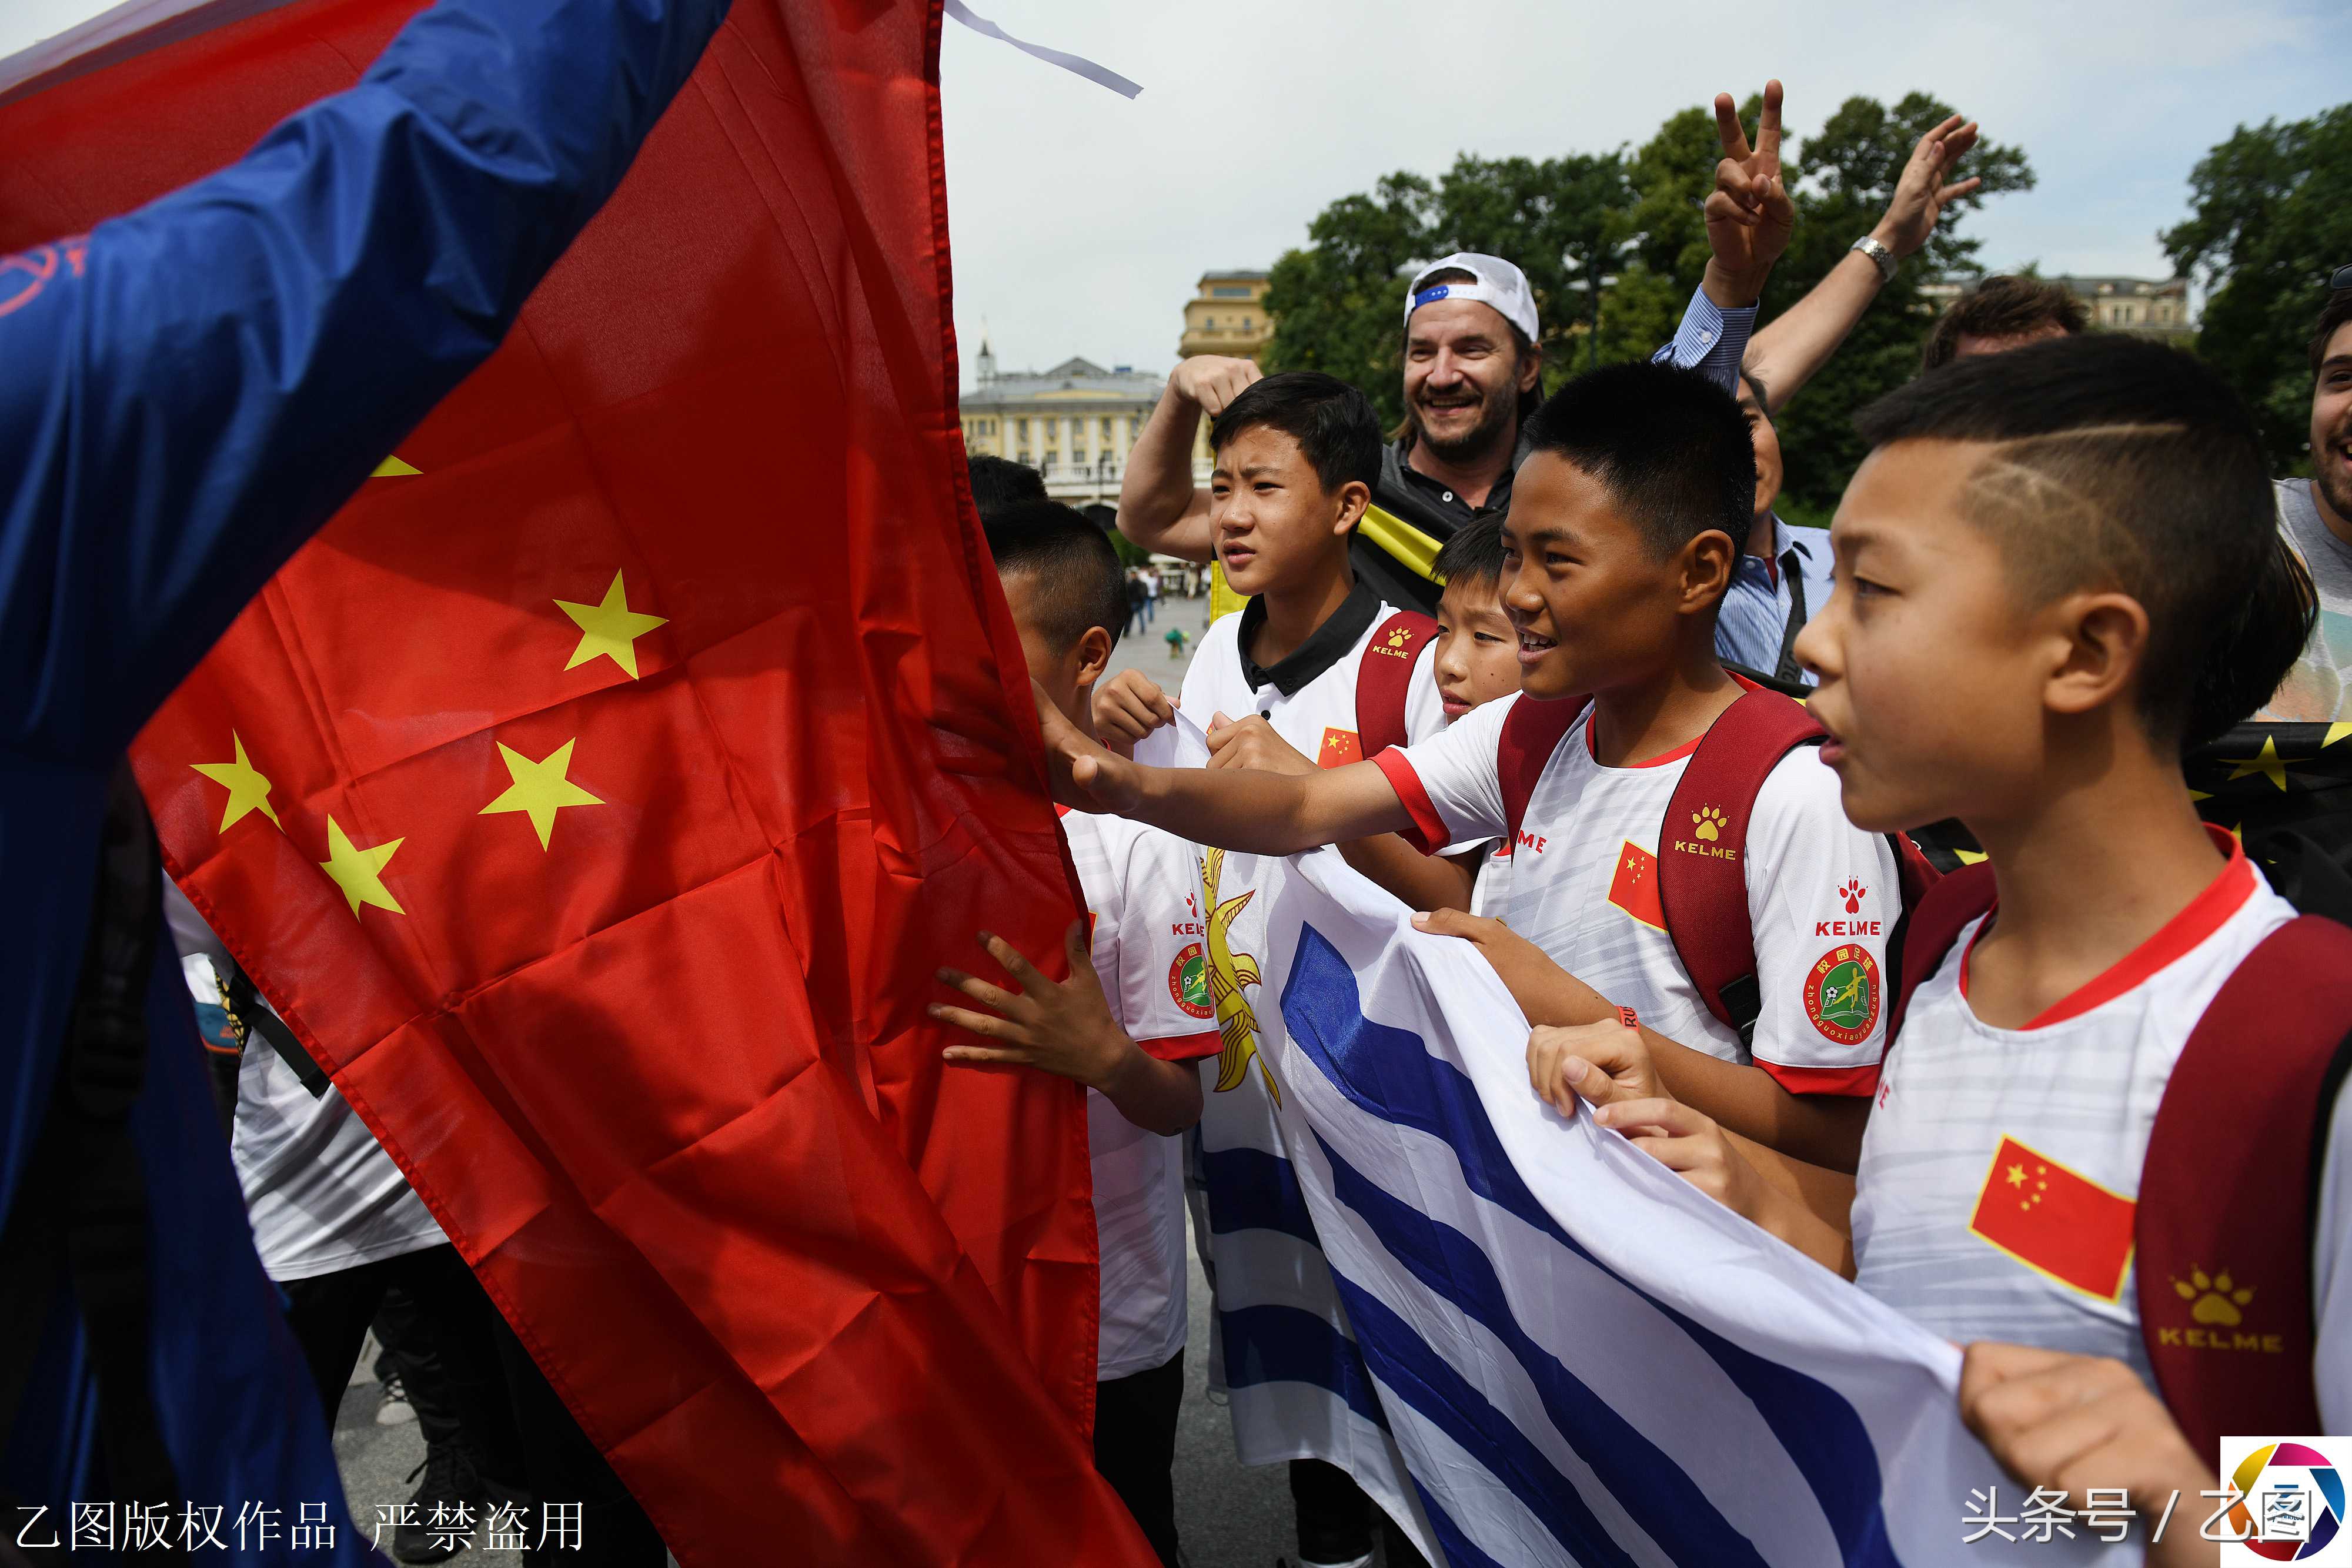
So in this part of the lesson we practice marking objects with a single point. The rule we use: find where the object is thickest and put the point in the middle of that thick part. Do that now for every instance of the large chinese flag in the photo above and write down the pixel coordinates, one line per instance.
(599, 791)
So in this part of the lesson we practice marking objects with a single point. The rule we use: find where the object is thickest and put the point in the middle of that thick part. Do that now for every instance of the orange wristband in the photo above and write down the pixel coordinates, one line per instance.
(1627, 1017)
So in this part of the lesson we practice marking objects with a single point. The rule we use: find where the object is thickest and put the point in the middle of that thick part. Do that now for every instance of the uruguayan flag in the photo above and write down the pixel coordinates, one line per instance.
(1283, 1353)
(1582, 1359)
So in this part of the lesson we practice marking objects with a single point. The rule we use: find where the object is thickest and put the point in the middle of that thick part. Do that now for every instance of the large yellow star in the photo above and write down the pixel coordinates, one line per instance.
(2336, 732)
(609, 630)
(248, 789)
(358, 872)
(2265, 763)
(541, 788)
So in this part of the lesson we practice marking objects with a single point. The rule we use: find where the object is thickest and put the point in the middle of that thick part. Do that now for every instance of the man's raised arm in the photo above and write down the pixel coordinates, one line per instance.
(203, 380)
(1801, 340)
(1159, 508)
(1750, 219)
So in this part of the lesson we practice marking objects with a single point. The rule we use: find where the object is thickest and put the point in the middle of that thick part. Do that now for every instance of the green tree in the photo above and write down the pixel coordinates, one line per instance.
(2269, 222)
(1846, 174)
(1336, 304)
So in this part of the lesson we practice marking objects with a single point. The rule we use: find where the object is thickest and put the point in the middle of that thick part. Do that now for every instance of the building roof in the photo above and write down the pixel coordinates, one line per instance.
(2092, 284)
(1072, 380)
(1244, 275)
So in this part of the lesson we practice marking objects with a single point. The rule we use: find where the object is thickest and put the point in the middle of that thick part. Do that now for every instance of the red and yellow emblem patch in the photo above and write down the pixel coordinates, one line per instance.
(1842, 994)
(1188, 982)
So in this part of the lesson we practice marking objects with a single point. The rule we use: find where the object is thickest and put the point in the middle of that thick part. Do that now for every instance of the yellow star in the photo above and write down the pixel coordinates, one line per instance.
(358, 872)
(2335, 732)
(610, 629)
(1968, 857)
(248, 789)
(393, 468)
(541, 788)
(2017, 1176)
(2266, 763)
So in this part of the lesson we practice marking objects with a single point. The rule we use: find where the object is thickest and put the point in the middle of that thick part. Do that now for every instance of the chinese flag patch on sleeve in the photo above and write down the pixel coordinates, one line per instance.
(1340, 748)
(2047, 1217)
(1635, 887)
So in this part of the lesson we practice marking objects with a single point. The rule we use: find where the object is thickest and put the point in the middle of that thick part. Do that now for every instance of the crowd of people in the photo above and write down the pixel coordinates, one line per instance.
(2063, 562)
(1482, 653)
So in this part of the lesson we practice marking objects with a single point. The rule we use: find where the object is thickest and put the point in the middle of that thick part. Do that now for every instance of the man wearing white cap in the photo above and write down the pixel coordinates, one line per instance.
(1473, 369)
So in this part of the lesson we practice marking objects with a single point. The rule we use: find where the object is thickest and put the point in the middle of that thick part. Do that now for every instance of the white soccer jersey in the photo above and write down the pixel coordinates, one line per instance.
(1318, 716)
(1149, 949)
(1975, 1126)
(1583, 886)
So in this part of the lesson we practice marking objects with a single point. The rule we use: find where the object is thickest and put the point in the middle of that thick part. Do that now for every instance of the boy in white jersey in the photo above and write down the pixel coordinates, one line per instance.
(2056, 569)
(1628, 513)
(1128, 1023)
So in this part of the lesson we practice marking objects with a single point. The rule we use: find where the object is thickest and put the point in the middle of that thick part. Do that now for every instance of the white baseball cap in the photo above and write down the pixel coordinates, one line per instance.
(1498, 284)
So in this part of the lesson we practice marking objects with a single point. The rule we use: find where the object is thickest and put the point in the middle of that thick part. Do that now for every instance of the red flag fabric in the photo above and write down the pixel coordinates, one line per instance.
(2066, 1226)
(598, 792)
(1635, 887)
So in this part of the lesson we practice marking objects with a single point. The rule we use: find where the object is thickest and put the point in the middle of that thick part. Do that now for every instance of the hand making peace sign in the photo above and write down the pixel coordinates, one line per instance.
(1749, 217)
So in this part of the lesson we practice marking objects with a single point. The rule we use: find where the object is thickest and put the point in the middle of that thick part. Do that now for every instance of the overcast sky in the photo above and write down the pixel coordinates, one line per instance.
(1081, 221)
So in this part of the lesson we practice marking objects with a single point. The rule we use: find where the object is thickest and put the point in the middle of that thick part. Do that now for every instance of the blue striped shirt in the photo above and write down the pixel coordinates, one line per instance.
(1752, 627)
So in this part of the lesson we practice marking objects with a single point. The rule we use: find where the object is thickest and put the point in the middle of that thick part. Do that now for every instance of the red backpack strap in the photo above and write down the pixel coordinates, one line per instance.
(2228, 1195)
(1930, 926)
(1702, 883)
(1384, 679)
(1532, 731)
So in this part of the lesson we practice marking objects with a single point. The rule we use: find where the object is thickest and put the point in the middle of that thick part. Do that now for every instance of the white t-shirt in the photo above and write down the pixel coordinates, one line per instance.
(1582, 885)
(320, 1191)
(1143, 902)
(1318, 718)
(1974, 1124)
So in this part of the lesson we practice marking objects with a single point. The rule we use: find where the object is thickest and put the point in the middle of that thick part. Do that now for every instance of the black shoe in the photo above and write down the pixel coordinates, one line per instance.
(441, 1516)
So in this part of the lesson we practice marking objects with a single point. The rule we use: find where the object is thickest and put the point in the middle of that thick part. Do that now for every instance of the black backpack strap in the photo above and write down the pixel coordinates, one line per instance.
(250, 1012)
(80, 1208)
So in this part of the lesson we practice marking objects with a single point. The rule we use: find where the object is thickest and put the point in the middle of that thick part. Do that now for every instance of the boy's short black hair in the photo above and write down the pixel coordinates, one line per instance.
(2120, 463)
(1334, 423)
(1075, 565)
(1668, 444)
(1473, 555)
(999, 482)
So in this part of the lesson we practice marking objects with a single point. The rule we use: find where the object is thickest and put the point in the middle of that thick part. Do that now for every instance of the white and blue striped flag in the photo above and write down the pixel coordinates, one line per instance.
(1581, 1359)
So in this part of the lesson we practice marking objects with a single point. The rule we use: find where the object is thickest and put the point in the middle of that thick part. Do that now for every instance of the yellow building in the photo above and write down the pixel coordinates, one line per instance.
(1073, 423)
(1227, 316)
(2147, 306)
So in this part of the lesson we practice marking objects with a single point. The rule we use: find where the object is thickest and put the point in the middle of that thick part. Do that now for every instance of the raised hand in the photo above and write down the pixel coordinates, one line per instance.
(1921, 194)
(1749, 218)
(1211, 380)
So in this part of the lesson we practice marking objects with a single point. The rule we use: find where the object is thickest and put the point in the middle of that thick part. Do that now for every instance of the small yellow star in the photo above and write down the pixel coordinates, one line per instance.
(393, 468)
(358, 872)
(609, 630)
(2335, 732)
(2017, 1176)
(539, 788)
(1968, 857)
(248, 789)
(2265, 763)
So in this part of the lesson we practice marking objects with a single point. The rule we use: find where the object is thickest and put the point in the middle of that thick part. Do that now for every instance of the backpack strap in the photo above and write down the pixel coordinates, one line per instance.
(1532, 731)
(2229, 1189)
(1702, 883)
(1929, 927)
(1384, 679)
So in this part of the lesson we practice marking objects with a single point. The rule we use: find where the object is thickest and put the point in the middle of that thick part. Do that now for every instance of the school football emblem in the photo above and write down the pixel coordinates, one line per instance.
(1842, 994)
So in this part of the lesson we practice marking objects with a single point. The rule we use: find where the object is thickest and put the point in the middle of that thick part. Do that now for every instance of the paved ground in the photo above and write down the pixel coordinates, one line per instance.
(1230, 1515)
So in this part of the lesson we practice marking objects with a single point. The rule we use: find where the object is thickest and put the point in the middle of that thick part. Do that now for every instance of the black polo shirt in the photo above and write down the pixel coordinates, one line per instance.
(1414, 497)
(1325, 646)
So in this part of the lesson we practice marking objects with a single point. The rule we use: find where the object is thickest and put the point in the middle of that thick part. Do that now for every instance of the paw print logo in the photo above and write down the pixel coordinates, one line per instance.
(2216, 1303)
(1708, 822)
(1397, 638)
(1851, 893)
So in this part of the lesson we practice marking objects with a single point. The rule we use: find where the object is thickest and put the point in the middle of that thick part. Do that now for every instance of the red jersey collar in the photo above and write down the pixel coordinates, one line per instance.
(2203, 916)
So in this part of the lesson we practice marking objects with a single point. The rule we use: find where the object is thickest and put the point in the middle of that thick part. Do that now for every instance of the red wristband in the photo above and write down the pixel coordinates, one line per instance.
(1626, 1015)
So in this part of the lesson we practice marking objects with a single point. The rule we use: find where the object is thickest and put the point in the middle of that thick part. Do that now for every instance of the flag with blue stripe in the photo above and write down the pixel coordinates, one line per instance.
(1581, 1359)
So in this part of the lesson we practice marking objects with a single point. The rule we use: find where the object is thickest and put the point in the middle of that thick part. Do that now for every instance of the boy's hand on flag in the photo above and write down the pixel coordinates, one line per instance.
(1689, 1144)
(1541, 988)
(2073, 1421)
(1061, 1026)
(1129, 706)
(1750, 217)
(1252, 743)
(1600, 1064)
